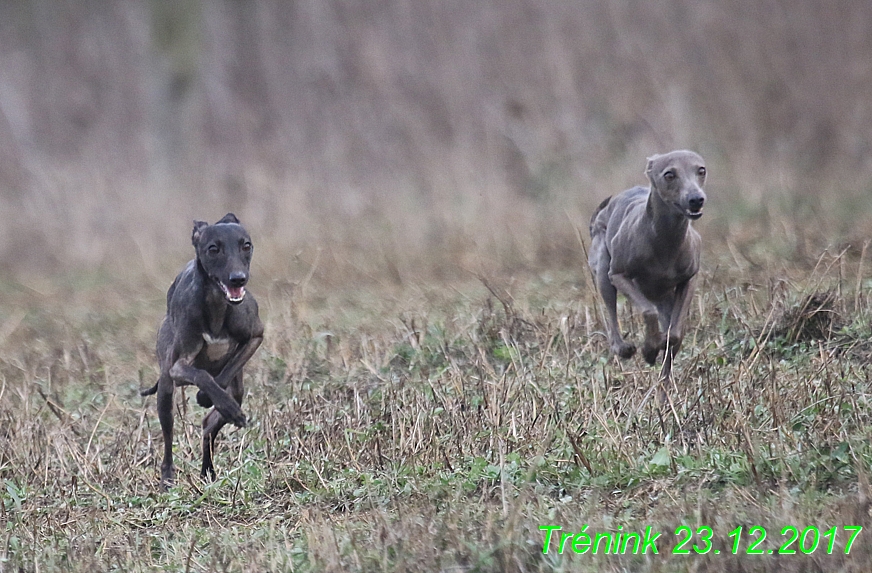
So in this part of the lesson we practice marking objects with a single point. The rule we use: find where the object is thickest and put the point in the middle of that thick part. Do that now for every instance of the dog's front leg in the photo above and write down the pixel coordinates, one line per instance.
(675, 334)
(233, 367)
(183, 373)
(683, 295)
(238, 360)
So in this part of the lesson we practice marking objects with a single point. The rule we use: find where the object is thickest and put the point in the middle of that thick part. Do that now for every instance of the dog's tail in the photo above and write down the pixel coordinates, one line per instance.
(149, 391)
(594, 225)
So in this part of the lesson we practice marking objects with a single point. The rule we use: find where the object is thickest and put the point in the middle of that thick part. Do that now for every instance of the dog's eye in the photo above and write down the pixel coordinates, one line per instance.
(701, 171)
(213, 249)
(669, 175)
(246, 247)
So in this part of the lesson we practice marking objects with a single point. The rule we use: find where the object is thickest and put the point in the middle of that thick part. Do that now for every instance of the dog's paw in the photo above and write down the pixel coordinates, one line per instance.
(674, 343)
(229, 409)
(208, 471)
(167, 477)
(237, 419)
(649, 353)
(203, 399)
(624, 350)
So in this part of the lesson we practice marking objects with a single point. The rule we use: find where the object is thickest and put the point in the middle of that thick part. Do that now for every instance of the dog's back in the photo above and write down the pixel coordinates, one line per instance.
(616, 208)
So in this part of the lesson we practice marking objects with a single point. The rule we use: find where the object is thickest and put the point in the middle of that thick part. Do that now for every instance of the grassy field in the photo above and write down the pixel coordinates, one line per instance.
(434, 392)
(441, 426)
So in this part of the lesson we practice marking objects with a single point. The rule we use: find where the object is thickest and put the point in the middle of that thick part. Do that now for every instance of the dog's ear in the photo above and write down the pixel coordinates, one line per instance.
(198, 228)
(228, 218)
(650, 167)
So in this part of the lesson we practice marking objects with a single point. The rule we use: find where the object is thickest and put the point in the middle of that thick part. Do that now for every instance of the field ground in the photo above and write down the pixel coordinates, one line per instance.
(436, 428)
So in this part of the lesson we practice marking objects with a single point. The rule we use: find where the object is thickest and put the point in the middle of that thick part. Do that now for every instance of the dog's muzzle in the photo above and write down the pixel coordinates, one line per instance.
(235, 291)
(694, 207)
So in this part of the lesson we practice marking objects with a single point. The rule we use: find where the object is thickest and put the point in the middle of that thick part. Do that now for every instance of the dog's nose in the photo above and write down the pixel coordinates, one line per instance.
(695, 203)
(238, 279)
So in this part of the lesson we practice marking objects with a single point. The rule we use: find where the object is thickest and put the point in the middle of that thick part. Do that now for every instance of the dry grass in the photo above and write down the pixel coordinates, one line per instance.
(436, 426)
(391, 128)
(406, 415)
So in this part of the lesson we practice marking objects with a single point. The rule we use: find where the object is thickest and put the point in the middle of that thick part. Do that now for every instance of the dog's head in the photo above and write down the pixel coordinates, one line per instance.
(678, 176)
(224, 253)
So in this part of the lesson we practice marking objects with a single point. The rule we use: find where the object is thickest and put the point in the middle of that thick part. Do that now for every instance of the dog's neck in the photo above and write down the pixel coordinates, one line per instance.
(670, 226)
(215, 307)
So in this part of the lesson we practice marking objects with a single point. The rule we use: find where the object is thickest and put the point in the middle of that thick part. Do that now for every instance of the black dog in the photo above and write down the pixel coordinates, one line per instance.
(211, 329)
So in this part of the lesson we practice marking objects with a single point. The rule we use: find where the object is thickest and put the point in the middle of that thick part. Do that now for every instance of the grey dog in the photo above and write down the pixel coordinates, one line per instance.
(643, 245)
(210, 331)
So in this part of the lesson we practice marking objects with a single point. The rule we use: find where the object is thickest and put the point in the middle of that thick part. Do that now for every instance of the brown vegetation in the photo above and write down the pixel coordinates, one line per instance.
(413, 137)
(432, 428)
(434, 383)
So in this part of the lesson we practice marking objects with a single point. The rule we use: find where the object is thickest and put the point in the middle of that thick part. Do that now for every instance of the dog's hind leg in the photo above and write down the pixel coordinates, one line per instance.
(212, 424)
(165, 387)
(653, 338)
(607, 290)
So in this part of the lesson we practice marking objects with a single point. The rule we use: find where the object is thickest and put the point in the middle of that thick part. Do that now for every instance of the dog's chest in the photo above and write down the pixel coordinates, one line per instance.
(217, 347)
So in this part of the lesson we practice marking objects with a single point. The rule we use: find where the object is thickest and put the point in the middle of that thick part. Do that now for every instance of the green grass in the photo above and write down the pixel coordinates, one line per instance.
(437, 427)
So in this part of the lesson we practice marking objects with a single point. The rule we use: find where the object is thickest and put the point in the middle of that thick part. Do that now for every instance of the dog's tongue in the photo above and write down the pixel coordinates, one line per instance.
(236, 292)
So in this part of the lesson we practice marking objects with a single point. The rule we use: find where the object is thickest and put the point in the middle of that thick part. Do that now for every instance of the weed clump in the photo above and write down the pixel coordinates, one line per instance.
(814, 318)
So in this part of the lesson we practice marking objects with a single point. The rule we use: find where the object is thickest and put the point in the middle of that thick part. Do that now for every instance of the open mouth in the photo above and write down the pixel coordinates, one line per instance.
(686, 211)
(234, 295)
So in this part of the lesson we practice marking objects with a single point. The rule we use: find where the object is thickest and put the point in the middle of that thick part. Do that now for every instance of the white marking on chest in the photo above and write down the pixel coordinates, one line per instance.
(216, 348)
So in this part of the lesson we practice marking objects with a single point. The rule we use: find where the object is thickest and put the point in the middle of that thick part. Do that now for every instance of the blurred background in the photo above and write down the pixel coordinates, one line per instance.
(400, 139)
